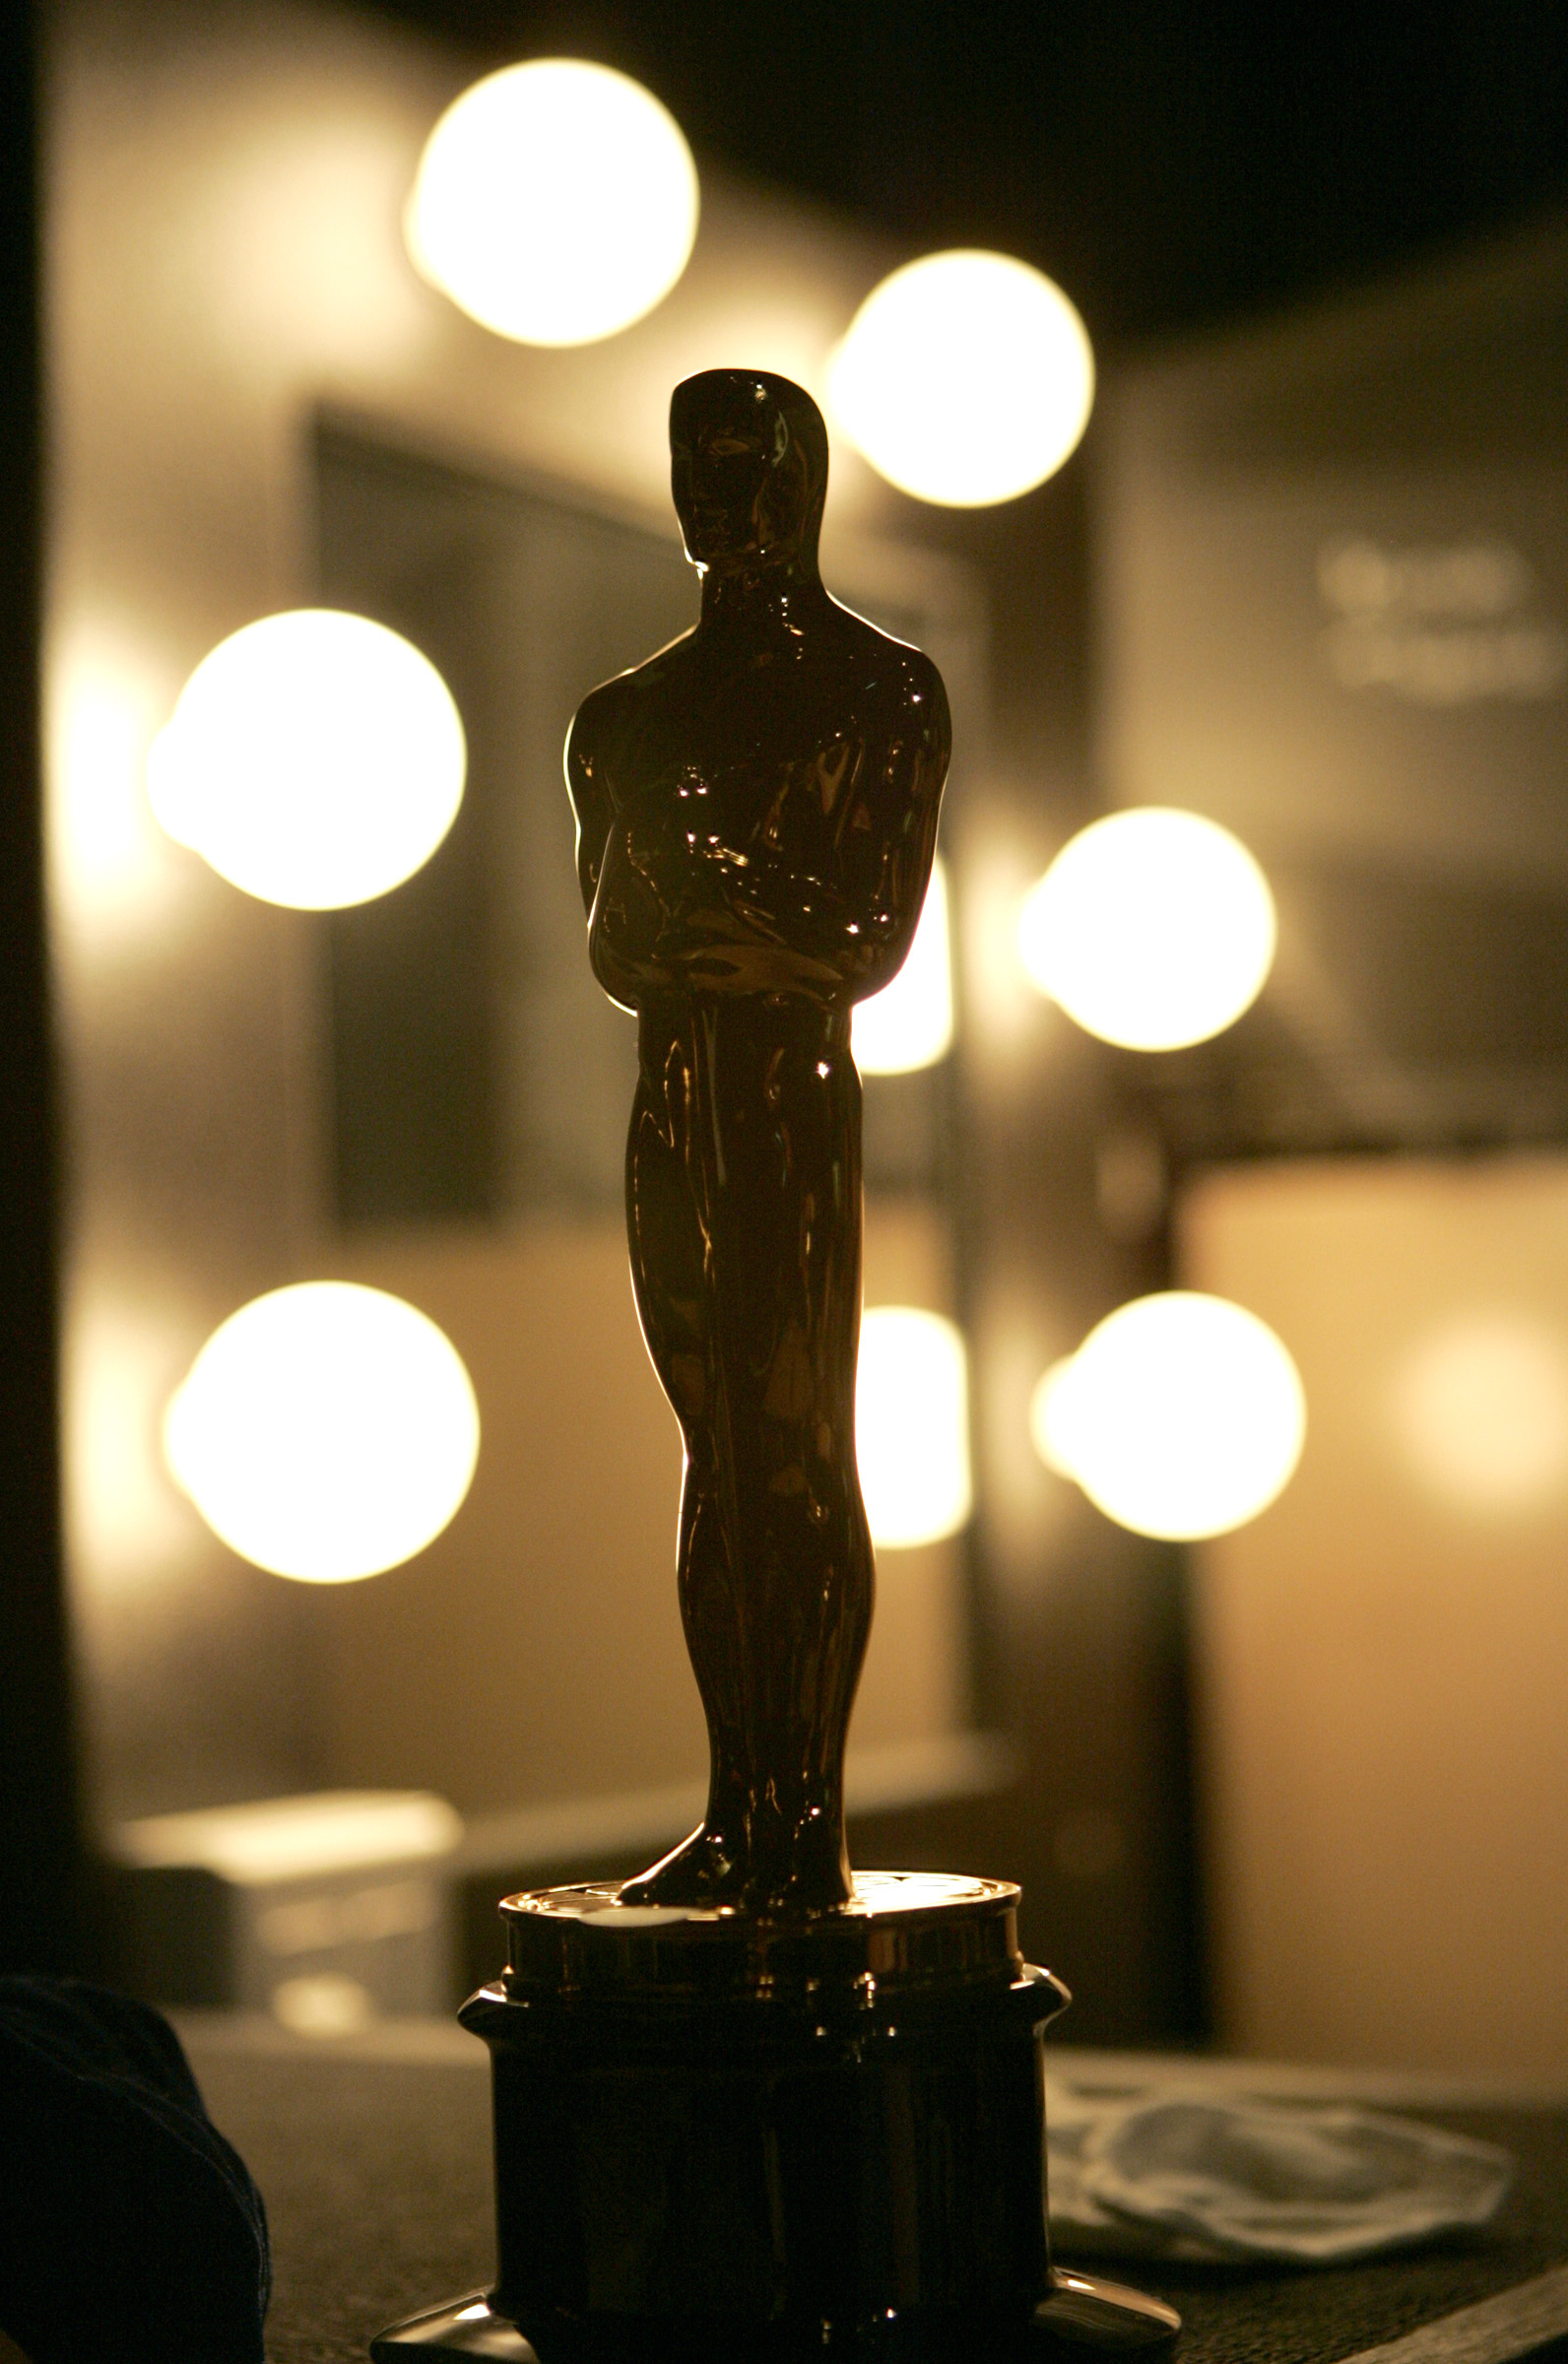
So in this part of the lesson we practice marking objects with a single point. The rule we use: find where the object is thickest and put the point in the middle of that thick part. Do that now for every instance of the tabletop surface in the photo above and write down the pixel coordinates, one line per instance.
(373, 2155)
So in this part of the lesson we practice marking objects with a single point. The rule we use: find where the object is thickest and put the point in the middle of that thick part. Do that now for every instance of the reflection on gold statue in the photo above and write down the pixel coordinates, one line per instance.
(757, 814)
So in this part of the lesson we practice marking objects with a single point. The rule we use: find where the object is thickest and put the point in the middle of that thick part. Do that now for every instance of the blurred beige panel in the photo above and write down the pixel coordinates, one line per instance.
(535, 1652)
(1384, 1654)
(915, 1683)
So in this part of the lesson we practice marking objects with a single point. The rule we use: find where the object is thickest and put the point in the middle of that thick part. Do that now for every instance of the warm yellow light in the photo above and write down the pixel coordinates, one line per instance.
(556, 202)
(909, 1024)
(269, 1840)
(325, 1431)
(1480, 1409)
(112, 875)
(313, 759)
(912, 1425)
(964, 378)
(1152, 927)
(324, 2004)
(1180, 1415)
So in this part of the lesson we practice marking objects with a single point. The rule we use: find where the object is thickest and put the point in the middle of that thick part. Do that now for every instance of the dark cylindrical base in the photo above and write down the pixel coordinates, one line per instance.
(720, 2136)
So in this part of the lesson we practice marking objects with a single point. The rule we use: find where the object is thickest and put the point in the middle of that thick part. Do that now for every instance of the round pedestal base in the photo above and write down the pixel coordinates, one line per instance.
(720, 2138)
(766, 2137)
(1079, 2310)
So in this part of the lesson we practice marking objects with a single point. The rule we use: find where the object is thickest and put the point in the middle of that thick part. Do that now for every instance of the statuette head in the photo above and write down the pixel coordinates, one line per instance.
(749, 468)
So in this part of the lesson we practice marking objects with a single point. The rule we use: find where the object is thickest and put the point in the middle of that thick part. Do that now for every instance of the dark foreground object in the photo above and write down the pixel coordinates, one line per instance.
(129, 2228)
(718, 2137)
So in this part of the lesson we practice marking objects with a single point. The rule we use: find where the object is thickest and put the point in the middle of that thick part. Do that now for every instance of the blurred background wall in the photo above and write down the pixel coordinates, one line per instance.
(1335, 618)
(225, 190)
(227, 286)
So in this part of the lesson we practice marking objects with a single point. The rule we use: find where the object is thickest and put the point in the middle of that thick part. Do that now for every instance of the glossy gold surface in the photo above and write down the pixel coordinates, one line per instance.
(902, 1934)
(756, 815)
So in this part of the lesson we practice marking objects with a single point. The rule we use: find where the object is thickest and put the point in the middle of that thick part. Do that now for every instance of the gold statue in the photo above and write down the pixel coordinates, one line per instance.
(756, 815)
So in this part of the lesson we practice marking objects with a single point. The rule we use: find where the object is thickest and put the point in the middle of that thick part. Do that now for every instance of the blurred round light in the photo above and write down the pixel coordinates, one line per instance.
(556, 202)
(1152, 927)
(313, 759)
(909, 1024)
(1481, 1408)
(323, 2004)
(325, 1431)
(1180, 1415)
(912, 1425)
(964, 378)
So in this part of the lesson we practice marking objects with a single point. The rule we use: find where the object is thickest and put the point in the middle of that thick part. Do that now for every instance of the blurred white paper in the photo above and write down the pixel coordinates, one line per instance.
(1215, 2177)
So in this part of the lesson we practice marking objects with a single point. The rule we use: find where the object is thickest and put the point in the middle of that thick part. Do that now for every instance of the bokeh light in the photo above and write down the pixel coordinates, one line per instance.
(912, 1425)
(1180, 1415)
(323, 2004)
(113, 876)
(909, 1024)
(1480, 1412)
(964, 378)
(313, 759)
(1152, 928)
(556, 202)
(325, 1431)
(272, 1841)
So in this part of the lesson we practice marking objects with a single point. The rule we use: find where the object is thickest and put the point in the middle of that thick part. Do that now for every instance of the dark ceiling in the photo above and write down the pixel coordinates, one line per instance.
(1173, 165)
